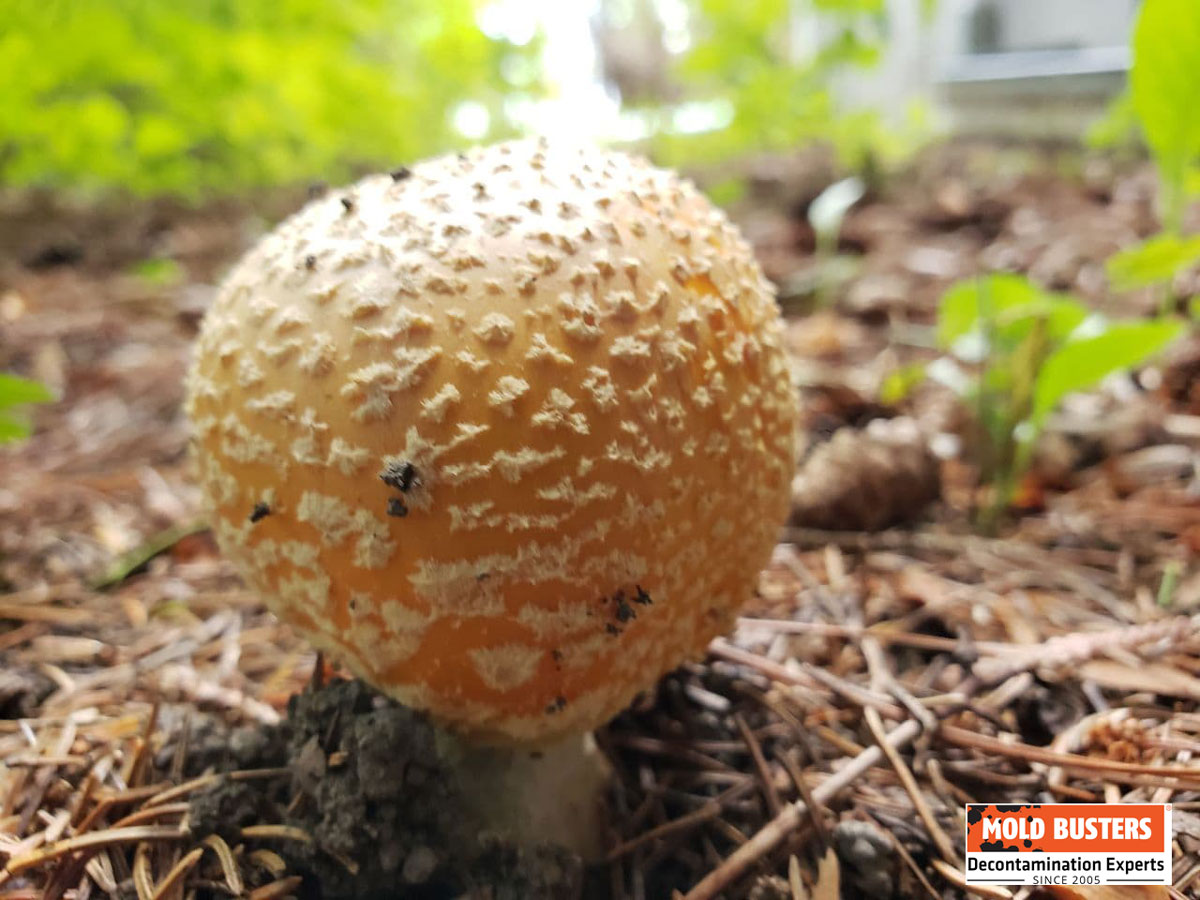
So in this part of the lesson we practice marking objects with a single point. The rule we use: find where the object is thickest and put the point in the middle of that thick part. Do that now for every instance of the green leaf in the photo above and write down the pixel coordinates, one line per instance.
(1004, 308)
(1081, 364)
(965, 303)
(850, 6)
(1116, 127)
(727, 191)
(12, 428)
(15, 391)
(900, 382)
(1057, 315)
(1165, 83)
(1153, 261)
(158, 271)
(1191, 181)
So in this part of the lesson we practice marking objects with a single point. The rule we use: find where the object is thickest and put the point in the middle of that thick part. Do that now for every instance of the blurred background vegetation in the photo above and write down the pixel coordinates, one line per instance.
(199, 97)
(196, 97)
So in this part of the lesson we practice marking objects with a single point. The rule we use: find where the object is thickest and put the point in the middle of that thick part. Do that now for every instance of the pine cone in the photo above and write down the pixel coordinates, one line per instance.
(866, 479)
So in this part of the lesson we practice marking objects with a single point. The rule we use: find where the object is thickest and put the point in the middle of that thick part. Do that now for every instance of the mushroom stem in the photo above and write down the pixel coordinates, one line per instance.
(550, 795)
(390, 798)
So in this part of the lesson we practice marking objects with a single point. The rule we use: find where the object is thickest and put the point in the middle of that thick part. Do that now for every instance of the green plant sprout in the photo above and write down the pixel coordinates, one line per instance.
(157, 271)
(826, 214)
(1117, 128)
(1163, 96)
(1013, 352)
(1165, 85)
(1170, 581)
(1155, 261)
(16, 394)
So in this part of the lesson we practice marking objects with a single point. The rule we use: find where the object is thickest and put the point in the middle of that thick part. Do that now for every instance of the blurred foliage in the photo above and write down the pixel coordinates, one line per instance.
(1157, 109)
(826, 214)
(16, 394)
(1155, 260)
(743, 62)
(1013, 352)
(1164, 91)
(1117, 128)
(1165, 87)
(158, 271)
(189, 96)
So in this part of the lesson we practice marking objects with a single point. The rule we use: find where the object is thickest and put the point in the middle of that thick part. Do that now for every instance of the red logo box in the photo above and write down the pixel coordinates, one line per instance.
(1067, 827)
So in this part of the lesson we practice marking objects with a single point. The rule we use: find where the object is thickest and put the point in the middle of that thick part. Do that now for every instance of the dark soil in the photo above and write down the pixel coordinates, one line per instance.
(373, 784)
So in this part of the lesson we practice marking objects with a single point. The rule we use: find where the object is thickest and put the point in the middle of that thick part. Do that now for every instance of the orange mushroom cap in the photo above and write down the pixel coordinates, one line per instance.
(509, 433)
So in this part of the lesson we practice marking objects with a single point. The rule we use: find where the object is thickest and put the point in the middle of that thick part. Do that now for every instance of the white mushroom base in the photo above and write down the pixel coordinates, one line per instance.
(550, 795)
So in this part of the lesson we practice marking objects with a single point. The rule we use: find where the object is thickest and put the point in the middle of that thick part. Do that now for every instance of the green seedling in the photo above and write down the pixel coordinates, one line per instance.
(16, 396)
(1170, 581)
(826, 214)
(1164, 90)
(1163, 95)
(1154, 261)
(158, 271)
(1013, 352)
(1165, 87)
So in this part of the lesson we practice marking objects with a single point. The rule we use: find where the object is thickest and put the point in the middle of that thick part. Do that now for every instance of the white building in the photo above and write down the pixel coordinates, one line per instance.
(1025, 67)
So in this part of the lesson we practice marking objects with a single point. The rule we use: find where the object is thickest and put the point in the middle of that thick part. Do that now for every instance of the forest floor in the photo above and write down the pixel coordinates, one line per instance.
(1056, 660)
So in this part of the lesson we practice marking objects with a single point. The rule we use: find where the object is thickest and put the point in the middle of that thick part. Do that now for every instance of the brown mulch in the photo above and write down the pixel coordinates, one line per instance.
(879, 681)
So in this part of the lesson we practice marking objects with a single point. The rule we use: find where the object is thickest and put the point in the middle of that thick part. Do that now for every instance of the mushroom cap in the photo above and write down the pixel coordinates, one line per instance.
(510, 433)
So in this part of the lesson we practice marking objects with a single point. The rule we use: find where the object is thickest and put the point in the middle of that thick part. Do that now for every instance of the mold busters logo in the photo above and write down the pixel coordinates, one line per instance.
(1068, 843)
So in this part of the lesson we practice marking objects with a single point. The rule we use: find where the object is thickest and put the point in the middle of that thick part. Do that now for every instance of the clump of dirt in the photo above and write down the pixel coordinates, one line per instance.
(374, 785)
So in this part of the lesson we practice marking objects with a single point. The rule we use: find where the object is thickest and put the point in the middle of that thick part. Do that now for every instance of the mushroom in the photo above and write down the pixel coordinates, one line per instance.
(509, 432)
